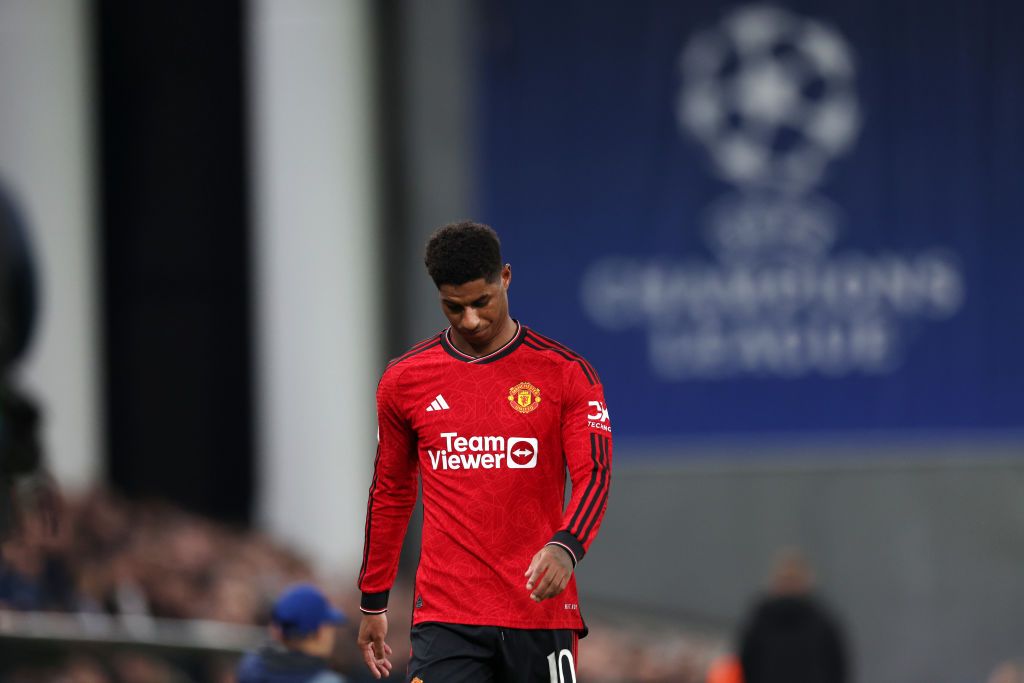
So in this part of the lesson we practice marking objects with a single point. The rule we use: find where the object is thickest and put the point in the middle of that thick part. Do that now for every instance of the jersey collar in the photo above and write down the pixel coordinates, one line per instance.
(510, 346)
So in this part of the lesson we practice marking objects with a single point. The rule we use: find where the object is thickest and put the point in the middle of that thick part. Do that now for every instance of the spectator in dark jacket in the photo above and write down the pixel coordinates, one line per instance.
(790, 637)
(303, 629)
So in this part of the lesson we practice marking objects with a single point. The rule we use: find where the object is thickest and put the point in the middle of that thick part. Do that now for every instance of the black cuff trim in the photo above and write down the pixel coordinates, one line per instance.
(374, 603)
(571, 543)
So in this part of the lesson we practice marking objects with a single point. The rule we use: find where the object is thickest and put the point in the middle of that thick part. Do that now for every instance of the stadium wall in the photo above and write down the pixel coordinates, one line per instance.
(911, 533)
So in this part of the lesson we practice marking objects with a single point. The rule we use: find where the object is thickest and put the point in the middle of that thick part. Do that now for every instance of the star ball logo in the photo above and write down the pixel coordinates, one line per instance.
(524, 397)
(770, 96)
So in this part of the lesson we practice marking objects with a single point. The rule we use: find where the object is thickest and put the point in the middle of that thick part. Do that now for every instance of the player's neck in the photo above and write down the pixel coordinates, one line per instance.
(504, 336)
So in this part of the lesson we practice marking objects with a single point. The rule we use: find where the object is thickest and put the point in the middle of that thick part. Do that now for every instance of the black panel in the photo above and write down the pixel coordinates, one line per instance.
(176, 251)
(392, 148)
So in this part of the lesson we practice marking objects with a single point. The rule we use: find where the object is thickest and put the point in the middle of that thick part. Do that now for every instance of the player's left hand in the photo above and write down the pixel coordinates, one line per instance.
(549, 573)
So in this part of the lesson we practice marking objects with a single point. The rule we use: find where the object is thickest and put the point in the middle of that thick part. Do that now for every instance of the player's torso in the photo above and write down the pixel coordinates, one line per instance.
(489, 446)
(489, 441)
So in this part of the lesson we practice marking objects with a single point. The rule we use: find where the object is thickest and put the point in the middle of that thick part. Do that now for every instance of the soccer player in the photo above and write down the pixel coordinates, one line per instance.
(490, 414)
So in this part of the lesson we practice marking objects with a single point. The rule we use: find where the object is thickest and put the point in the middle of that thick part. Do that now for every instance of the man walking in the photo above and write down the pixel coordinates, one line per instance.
(489, 415)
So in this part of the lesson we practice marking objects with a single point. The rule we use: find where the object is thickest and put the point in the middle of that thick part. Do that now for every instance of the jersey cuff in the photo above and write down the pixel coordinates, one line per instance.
(374, 603)
(566, 540)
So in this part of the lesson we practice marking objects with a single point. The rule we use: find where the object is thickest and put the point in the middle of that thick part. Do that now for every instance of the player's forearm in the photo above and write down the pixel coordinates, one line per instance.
(380, 566)
(386, 525)
(591, 481)
(375, 586)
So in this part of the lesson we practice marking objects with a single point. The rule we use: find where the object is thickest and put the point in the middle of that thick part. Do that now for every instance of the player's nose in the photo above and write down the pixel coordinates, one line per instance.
(470, 320)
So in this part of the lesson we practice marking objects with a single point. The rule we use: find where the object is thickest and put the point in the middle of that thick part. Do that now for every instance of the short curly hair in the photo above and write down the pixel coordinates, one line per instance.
(462, 252)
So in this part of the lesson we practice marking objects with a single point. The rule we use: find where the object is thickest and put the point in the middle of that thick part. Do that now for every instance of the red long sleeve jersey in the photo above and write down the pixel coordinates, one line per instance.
(491, 438)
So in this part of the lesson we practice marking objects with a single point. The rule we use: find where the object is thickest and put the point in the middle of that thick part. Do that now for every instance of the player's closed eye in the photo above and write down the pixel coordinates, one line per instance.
(456, 308)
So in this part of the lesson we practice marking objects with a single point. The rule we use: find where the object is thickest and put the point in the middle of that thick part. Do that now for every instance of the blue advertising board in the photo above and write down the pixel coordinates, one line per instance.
(766, 218)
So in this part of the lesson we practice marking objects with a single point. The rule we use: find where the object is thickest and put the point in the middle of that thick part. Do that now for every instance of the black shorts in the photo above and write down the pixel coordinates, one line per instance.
(453, 653)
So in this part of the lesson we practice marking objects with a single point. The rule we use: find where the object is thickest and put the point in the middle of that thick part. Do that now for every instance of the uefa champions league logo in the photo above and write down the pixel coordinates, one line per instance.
(770, 96)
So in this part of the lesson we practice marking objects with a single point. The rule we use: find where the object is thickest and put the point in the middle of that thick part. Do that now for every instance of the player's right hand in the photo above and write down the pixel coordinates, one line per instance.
(372, 631)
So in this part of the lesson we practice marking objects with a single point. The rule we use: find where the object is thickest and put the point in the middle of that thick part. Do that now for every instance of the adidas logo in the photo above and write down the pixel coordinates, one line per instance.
(438, 404)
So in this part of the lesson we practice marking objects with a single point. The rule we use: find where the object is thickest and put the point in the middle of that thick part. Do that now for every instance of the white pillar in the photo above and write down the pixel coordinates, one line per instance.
(46, 160)
(317, 299)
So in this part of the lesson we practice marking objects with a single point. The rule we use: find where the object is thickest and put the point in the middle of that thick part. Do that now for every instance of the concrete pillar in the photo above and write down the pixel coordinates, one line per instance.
(317, 306)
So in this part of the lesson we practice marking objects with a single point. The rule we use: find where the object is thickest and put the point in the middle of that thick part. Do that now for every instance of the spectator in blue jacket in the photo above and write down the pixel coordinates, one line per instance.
(303, 626)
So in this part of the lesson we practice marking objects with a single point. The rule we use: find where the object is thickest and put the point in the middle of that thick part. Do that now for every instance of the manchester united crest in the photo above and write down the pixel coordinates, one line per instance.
(524, 397)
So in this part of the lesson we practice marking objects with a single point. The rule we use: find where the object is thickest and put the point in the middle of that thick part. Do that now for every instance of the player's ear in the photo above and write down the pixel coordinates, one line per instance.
(506, 275)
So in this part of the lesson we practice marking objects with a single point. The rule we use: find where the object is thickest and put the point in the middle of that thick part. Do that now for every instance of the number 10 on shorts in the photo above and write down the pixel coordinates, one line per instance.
(556, 669)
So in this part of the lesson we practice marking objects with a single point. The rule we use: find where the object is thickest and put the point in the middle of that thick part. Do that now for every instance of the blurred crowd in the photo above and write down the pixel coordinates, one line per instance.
(136, 562)
(640, 650)
(122, 667)
(143, 559)
(140, 561)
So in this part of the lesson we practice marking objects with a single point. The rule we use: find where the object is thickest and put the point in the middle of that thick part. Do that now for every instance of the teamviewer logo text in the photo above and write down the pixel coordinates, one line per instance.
(484, 452)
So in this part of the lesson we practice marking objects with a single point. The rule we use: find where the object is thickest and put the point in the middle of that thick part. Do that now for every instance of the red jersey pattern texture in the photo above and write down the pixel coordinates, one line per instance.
(492, 438)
